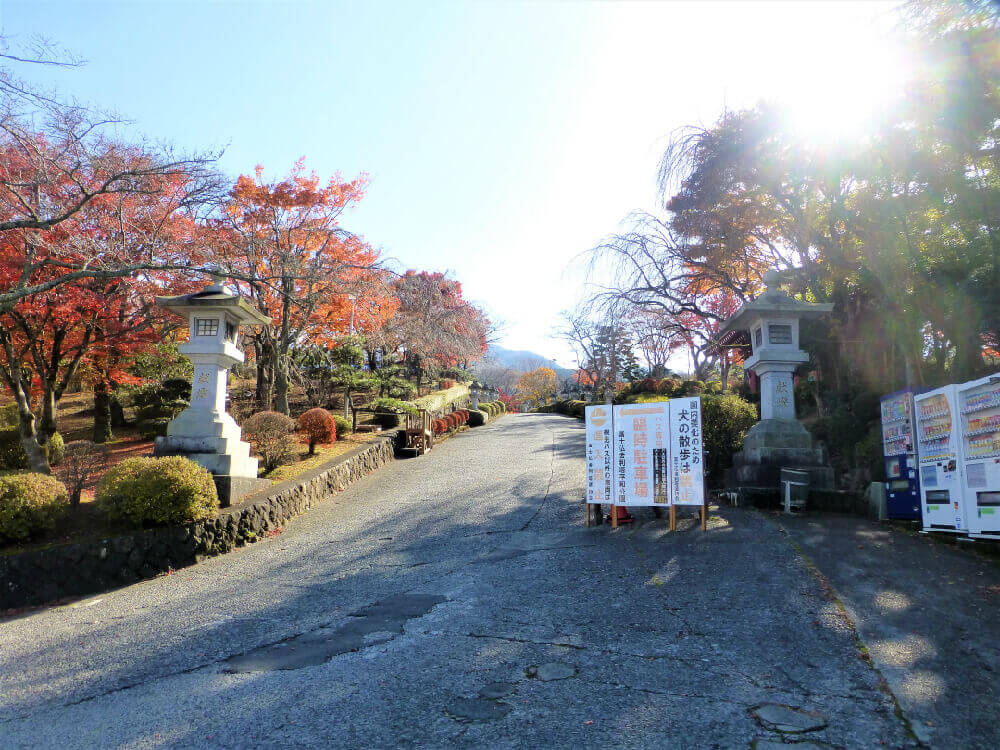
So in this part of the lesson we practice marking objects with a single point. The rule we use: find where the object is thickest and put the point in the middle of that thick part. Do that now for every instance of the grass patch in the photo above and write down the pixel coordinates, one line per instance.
(323, 454)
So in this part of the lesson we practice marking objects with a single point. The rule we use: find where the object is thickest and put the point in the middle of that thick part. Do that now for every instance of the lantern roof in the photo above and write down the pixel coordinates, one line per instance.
(214, 296)
(772, 303)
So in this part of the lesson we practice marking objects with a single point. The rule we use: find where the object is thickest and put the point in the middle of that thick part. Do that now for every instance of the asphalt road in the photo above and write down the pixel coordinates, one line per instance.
(458, 600)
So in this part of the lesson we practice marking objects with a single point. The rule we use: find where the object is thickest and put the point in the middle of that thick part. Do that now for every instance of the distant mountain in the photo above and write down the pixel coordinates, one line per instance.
(520, 359)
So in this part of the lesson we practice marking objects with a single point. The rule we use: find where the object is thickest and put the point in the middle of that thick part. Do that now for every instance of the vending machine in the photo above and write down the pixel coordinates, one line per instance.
(939, 456)
(979, 407)
(899, 450)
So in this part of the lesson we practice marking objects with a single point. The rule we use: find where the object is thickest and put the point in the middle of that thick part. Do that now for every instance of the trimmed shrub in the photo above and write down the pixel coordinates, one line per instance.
(157, 492)
(29, 503)
(691, 388)
(477, 418)
(388, 410)
(270, 434)
(446, 384)
(9, 417)
(402, 389)
(317, 425)
(56, 449)
(576, 408)
(343, 426)
(666, 386)
(156, 404)
(725, 422)
(12, 455)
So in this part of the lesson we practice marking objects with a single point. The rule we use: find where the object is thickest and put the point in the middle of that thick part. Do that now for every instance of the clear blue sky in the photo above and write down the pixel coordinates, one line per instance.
(502, 138)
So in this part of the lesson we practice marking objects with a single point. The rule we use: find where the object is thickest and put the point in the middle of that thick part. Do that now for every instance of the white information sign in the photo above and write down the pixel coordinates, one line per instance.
(642, 444)
(687, 482)
(600, 455)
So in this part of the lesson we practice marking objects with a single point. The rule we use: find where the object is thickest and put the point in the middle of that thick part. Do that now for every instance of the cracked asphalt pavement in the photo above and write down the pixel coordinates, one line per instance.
(459, 600)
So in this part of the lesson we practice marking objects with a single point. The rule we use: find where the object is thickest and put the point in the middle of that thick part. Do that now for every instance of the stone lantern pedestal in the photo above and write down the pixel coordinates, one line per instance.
(778, 440)
(205, 432)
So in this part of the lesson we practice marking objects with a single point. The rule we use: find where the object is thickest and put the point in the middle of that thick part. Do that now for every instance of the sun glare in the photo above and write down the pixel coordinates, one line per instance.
(838, 82)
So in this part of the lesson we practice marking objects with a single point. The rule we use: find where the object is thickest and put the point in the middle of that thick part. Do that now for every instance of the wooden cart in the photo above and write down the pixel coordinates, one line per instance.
(418, 435)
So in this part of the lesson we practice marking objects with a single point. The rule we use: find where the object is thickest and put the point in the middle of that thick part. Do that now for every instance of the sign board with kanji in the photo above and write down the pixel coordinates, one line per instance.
(687, 480)
(642, 445)
(600, 455)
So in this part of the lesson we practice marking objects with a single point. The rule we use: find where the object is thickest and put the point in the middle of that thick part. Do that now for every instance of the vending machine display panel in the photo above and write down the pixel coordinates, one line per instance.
(979, 404)
(900, 456)
(939, 452)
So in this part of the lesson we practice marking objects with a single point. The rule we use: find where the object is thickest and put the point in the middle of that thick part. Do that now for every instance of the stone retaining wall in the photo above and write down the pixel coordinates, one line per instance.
(69, 570)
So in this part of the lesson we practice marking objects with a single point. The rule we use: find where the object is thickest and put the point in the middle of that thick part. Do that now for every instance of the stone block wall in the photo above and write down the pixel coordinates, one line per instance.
(70, 570)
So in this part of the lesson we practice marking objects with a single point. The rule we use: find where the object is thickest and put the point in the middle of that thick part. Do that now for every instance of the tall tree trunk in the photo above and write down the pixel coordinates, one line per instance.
(281, 350)
(260, 388)
(281, 385)
(102, 412)
(46, 426)
(117, 411)
(38, 460)
(15, 379)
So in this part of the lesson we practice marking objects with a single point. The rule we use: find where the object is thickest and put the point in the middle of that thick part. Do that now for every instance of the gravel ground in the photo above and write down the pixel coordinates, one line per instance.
(459, 600)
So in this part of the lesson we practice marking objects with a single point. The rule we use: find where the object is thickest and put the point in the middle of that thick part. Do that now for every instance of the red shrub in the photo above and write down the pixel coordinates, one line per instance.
(666, 386)
(317, 425)
(439, 426)
(446, 384)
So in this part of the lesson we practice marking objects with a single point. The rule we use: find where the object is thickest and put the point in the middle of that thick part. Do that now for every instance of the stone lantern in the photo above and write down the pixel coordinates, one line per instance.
(778, 439)
(205, 432)
(475, 390)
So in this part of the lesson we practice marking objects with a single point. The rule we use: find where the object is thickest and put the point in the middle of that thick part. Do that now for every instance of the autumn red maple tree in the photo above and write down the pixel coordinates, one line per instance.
(283, 244)
(434, 325)
(92, 323)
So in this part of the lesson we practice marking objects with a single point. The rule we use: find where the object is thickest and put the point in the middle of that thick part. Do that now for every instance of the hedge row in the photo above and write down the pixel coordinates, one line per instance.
(137, 492)
(471, 417)
(493, 408)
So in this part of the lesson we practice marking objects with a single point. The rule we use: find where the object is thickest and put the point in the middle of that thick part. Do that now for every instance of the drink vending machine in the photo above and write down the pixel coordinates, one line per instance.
(939, 450)
(979, 404)
(899, 450)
